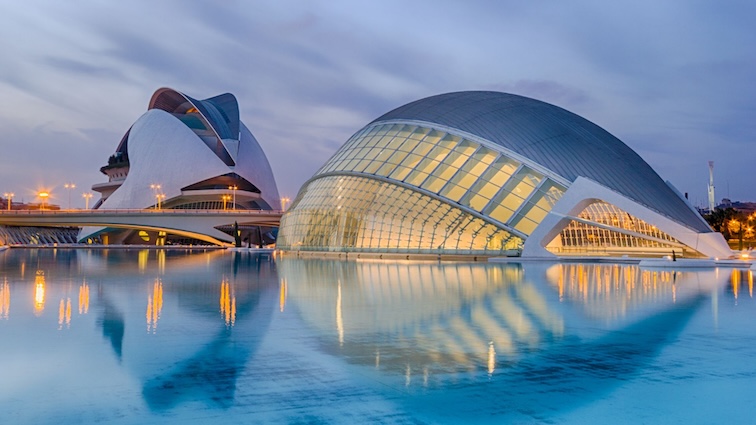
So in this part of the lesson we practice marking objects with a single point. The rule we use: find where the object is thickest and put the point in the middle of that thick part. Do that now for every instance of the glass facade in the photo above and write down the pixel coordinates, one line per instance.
(605, 228)
(461, 174)
(359, 214)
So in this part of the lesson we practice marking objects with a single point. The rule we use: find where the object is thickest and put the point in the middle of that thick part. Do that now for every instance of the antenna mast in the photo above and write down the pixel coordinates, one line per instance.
(711, 187)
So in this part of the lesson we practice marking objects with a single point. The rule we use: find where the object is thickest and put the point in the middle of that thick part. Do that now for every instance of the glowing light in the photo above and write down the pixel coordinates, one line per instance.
(87, 196)
(70, 187)
(9, 197)
(43, 195)
(233, 188)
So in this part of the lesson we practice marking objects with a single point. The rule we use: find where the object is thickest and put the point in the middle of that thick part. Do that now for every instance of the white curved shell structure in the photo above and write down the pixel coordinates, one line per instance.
(185, 153)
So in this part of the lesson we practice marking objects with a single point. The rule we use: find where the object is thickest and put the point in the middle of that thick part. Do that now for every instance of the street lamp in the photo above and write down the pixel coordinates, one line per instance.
(225, 198)
(9, 197)
(69, 186)
(156, 191)
(234, 187)
(87, 196)
(43, 196)
(160, 197)
(284, 200)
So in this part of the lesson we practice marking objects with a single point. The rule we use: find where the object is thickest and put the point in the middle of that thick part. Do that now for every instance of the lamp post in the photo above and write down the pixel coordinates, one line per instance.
(9, 197)
(69, 186)
(284, 200)
(87, 196)
(43, 196)
(225, 198)
(156, 191)
(160, 197)
(233, 188)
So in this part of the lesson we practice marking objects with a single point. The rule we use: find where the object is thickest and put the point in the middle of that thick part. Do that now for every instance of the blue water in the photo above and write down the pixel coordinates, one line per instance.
(149, 336)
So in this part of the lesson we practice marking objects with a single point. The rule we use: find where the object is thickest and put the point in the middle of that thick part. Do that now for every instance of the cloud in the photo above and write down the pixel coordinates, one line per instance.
(670, 78)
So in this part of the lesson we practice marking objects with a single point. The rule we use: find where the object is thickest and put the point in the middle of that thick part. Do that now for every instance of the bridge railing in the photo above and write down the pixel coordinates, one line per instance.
(140, 211)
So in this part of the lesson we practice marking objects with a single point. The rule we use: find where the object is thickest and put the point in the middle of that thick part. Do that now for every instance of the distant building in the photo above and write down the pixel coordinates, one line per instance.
(23, 206)
(488, 173)
(743, 207)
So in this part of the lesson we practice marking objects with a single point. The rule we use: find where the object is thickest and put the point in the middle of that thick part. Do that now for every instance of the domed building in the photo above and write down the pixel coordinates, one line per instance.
(185, 153)
(489, 173)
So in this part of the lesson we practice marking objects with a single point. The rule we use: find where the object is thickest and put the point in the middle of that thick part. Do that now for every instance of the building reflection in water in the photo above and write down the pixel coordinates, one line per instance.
(442, 319)
(208, 364)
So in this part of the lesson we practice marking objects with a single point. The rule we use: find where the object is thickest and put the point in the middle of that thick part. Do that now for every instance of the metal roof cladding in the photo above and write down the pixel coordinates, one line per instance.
(555, 138)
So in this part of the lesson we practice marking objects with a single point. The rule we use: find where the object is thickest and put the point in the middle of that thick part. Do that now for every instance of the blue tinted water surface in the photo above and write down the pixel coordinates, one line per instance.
(153, 336)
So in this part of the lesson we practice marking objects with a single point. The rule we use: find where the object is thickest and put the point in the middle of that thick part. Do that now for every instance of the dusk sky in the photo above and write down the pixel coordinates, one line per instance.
(674, 80)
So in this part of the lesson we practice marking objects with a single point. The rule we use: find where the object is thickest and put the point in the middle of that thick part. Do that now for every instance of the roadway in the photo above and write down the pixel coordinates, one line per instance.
(198, 224)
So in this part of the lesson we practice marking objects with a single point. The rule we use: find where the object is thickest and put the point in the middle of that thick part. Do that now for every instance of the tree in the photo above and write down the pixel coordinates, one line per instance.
(731, 223)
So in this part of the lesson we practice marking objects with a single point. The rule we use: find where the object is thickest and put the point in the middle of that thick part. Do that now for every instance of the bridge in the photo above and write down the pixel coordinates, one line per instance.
(197, 224)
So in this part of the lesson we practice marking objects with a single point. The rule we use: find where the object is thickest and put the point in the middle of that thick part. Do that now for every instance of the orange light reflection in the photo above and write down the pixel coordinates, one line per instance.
(39, 292)
(154, 305)
(5, 300)
(228, 303)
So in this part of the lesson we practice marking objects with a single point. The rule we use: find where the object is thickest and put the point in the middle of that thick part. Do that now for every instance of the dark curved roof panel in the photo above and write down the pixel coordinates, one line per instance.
(555, 138)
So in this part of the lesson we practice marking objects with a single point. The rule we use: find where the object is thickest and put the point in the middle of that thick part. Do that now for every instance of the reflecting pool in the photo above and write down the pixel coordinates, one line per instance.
(160, 336)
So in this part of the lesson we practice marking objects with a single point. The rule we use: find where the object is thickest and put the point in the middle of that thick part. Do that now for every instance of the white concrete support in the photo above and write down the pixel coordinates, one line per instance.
(584, 192)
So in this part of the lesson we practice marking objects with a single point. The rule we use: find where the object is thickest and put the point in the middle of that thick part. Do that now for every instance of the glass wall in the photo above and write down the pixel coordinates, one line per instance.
(459, 170)
(350, 213)
(601, 230)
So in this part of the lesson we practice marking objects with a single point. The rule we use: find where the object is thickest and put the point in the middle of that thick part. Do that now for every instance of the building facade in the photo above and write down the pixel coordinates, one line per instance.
(488, 173)
(185, 153)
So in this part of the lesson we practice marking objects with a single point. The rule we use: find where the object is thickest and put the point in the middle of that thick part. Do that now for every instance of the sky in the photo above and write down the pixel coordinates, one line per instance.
(674, 80)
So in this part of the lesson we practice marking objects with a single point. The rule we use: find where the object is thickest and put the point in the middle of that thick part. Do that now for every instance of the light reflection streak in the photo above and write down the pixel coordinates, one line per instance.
(154, 305)
(64, 313)
(83, 298)
(491, 358)
(39, 292)
(227, 302)
(161, 261)
(142, 258)
(339, 320)
(282, 295)
(735, 280)
(5, 300)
